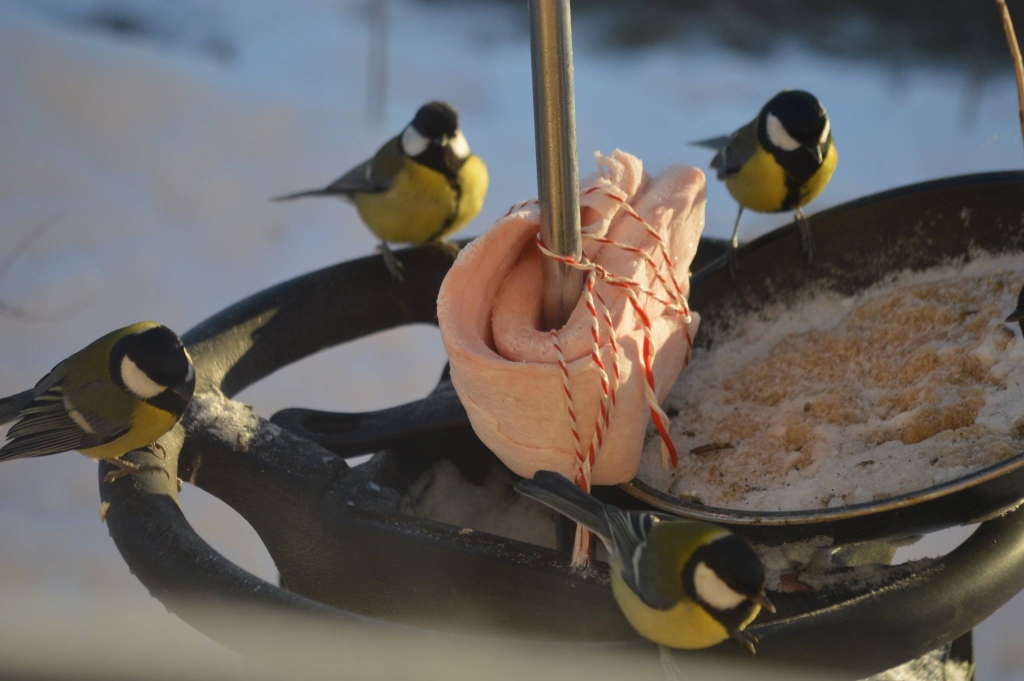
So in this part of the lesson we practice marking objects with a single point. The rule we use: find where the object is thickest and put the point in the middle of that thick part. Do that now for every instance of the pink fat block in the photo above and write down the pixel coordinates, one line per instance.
(505, 368)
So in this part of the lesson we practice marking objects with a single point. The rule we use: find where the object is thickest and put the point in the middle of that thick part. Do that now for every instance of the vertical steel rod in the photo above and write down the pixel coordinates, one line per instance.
(554, 120)
(377, 63)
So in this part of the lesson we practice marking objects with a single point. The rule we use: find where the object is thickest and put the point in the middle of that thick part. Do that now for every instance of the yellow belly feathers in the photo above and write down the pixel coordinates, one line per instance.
(150, 424)
(420, 201)
(687, 625)
(760, 184)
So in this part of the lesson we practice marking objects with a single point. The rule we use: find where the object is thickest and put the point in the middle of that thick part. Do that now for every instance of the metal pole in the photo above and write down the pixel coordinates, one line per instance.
(377, 63)
(554, 120)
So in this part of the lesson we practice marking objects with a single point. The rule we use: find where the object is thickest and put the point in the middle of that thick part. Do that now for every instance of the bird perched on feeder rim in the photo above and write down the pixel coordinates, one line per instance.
(118, 394)
(780, 161)
(680, 583)
(1018, 314)
(420, 187)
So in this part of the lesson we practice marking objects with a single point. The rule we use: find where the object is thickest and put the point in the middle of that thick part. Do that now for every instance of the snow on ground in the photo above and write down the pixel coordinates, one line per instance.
(158, 153)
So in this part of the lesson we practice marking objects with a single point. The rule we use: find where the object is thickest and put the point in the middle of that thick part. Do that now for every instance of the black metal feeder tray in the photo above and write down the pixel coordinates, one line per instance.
(343, 546)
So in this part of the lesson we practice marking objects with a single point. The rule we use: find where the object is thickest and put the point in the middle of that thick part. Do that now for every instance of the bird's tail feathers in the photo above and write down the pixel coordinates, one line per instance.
(301, 195)
(713, 143)
(557, 491)
(10, 406)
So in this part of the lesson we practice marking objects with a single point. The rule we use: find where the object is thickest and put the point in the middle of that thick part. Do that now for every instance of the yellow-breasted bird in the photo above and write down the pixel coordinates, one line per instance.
(780, 161)
(119, 393)
(680, 583)
(420, 187)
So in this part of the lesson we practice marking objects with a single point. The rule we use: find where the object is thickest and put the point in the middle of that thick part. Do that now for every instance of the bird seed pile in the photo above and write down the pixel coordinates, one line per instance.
(834, 401)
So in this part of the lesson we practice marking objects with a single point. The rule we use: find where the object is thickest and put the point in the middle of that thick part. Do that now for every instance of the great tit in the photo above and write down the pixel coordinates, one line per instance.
(780, 161)
(420, 187)
(680, 583)
(1018, 314)
(120, 393)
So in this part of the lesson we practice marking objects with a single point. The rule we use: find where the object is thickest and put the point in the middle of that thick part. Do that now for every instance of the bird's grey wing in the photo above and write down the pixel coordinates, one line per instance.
(359, 180)
(11, 407)
(713, 143)
(372, 176)
(733, 151)
(629, 532)
(47, 427)
(741, 147)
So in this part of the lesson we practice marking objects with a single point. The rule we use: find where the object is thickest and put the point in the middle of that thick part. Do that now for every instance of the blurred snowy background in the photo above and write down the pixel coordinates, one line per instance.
(153, 132)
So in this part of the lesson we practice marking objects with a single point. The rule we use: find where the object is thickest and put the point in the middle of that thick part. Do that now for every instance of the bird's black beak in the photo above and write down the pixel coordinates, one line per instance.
(1016, 316)
(816, 153)
(763, 601)
(184, 392)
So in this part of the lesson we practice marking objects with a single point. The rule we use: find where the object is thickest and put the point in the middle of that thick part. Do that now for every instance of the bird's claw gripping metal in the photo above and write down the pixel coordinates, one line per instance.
(732, 261)
(125, 468)
(806, 237)
(746, 639)
(391, 261)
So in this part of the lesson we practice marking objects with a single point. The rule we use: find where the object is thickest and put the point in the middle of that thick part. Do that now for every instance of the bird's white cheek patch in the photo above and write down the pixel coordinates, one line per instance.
(413, 143)
(779, 136)
(713, 591)
(459, 145)
(136, 380)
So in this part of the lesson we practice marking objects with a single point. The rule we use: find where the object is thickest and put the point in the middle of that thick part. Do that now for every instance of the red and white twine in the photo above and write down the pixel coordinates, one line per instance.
(673, 299)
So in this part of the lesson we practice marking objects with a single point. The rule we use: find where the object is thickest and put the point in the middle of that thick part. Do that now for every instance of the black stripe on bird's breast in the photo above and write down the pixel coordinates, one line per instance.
(794, 192)
(799, 167)
(457, 188)
(443, 160)
(169, 401)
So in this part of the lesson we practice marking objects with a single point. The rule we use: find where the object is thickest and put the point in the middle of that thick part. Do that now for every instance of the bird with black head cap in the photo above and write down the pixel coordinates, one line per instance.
(780, 161)
(680, 583)
(421, 187)
(120, 393)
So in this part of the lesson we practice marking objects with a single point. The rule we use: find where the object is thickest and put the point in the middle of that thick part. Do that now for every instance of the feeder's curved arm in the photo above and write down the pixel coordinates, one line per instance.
(280, 325)
(245, 467)
(884, 627)
(232, 350)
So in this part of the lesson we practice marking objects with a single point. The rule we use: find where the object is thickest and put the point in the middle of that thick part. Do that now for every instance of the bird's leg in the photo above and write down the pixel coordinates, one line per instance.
(390, 260)
(449, 247)
(734, 244)
(157, 447)
(806, 238)
(668, 663)
(128, 468)
(745, 639)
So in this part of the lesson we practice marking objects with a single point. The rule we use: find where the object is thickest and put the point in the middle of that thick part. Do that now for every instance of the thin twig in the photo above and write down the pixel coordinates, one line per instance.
(26, 241)
(10, 310)
(1018, 65)
(14, 312)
